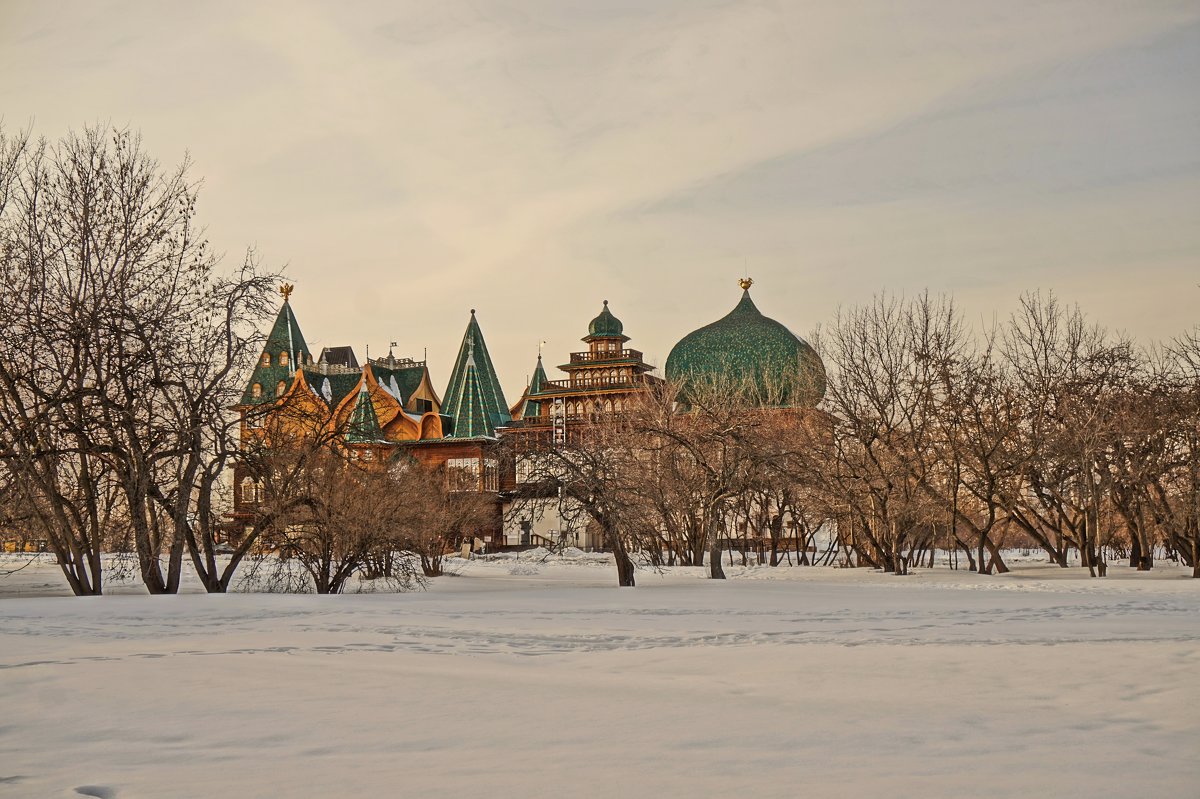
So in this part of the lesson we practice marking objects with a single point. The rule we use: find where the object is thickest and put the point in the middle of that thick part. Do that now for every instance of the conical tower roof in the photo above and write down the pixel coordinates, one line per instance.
(474, 398)
(526, 407)
(285, 338)
(363, 427)
(746, 347)
(538, 381)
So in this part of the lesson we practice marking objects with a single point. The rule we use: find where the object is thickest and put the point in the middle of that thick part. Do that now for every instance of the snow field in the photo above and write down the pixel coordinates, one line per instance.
(552, 682)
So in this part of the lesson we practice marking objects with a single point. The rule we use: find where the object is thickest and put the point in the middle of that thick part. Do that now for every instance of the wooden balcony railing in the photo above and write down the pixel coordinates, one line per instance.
(592, 383)
(610, 355)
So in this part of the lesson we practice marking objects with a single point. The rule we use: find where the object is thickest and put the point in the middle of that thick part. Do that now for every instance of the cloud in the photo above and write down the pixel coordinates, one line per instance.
(413, 160)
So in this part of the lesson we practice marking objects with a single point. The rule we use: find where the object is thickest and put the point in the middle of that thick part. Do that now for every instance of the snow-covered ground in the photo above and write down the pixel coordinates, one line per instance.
(520, 677)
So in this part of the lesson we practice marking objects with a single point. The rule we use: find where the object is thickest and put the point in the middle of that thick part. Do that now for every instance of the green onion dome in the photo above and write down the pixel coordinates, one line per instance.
(781, 368)
(606, 326)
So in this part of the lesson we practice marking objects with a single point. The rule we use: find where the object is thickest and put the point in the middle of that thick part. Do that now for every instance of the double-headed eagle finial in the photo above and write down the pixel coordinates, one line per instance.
(746, 283)
(286, 290)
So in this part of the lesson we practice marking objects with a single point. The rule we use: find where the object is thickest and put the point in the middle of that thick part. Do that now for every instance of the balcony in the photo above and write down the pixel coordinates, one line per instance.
(593, 383)
(606, 356)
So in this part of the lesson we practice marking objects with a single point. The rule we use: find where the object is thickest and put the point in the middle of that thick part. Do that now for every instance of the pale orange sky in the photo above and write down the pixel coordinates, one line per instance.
(411, 161)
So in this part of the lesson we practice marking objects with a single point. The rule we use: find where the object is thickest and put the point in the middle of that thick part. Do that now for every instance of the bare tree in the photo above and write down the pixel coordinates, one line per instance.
(590, 473)
(436, 517)
(342, 518)
(120, 345)
(1069, 373)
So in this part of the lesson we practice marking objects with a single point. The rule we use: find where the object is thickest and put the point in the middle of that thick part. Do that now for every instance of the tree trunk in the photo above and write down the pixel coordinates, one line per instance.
(624, 568)
(715, 570)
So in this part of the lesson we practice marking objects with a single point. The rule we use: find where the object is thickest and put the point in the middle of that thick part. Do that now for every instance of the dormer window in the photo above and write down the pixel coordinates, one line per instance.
(283, 359)
(282, 387)
(266, 359)
(256, 389)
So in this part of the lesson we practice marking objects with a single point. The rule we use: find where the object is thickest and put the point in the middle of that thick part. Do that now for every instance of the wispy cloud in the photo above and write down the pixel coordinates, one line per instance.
(413, 160)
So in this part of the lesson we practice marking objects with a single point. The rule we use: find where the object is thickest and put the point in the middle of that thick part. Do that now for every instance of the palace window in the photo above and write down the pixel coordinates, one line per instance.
(266, 359)
(462, 474)
(247, 490)
(282, 387)
(283, 359)
(491, 475)
(256, 390)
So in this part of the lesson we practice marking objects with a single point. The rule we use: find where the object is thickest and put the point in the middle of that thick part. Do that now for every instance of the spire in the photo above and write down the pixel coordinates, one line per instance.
(527, 407)
(364, 423)
(284, 352)
(538, 381)
(474, 398)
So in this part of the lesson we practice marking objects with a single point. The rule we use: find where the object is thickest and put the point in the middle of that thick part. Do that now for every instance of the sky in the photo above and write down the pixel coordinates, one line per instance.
(409, 161)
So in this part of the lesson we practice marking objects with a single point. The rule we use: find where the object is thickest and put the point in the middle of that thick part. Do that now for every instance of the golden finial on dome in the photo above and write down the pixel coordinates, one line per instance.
(746, 283)
(286, 290)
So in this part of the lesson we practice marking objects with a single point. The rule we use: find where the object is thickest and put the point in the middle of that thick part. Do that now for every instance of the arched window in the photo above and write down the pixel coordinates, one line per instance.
(282, 387)
(266, 359)
(247, 490)
(283, 359)
(256, 390)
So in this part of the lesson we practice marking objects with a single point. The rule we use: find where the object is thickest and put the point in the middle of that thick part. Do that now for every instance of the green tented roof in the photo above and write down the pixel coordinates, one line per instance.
(537, 384)
(364, 423)
(474, 398)
(285, 336)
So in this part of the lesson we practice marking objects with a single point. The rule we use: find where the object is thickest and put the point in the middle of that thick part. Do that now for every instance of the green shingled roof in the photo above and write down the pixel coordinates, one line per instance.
(747, 346)
(407, 379)
(331, 388)
(605, 326)
(364, 423)
(536, 384)
(474, 398)
(532, 407)
(285, 336)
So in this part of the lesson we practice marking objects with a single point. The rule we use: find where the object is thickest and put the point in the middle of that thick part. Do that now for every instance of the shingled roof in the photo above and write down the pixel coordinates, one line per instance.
(474, 398)
(406, 379)
(339, 356)
(285, 336)
(527, 408)
(364, 422)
